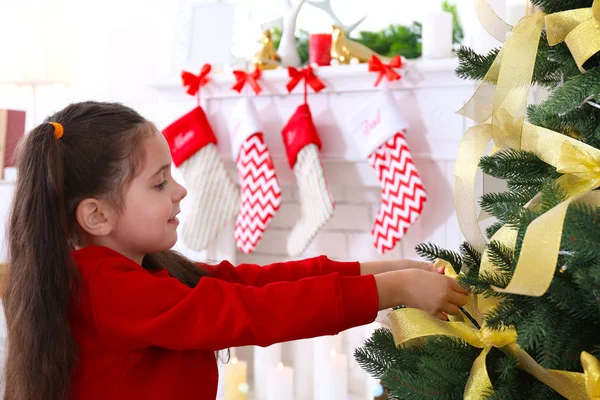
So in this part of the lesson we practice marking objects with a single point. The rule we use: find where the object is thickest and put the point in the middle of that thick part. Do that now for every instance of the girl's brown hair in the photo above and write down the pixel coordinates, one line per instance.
(100, 152)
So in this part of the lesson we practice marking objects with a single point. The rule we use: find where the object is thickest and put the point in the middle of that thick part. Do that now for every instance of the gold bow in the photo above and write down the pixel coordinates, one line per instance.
(579, 29)
(410, 325)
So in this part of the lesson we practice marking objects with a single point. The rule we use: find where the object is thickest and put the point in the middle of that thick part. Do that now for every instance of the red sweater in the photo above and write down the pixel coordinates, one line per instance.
(145, 335)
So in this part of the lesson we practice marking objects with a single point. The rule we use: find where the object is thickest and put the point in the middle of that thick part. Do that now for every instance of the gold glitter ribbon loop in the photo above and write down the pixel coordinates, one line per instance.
(491, 22)
(579, 29)
(410, 325)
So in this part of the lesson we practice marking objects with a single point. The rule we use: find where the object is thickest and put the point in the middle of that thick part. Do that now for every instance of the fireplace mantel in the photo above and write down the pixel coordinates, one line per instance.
(428, 95)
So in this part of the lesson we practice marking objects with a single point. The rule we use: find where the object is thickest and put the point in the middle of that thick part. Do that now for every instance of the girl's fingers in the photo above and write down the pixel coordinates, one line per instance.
(451, 309)
(441, 315)
(457, 288)
(458, 298)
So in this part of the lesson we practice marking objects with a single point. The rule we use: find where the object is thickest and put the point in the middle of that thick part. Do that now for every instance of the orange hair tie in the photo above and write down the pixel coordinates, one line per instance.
(59, 131)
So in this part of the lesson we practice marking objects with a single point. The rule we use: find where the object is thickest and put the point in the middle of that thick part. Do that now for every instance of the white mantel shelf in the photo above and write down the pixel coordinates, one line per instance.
(429, 94)
(420, 73)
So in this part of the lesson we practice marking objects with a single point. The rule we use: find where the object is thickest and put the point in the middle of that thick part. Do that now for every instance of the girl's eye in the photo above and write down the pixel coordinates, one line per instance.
(161, 185)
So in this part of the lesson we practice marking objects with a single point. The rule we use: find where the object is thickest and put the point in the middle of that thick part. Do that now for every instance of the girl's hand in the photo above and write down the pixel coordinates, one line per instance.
(380, 267)
(435, 294)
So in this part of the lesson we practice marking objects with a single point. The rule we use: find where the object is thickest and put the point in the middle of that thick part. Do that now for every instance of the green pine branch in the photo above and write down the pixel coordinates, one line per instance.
(493, 228)
(553, 6)
(567, 109)
(552, 64)
(471, 259)
(431, 252)
(522, 170)
(506, 206)
(574, 92)
(380, 354)
(472, 65)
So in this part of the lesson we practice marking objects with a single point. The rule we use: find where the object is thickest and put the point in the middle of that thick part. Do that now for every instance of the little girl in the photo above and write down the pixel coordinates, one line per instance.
(98, 307)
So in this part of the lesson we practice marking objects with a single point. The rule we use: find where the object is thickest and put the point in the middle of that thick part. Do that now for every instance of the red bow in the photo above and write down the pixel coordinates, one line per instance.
(242, 77)
(193, 82)
(307, 74)
(376, 65)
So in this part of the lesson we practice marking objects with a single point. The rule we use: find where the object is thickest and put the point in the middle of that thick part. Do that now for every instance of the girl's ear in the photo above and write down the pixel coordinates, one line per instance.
(96, 217)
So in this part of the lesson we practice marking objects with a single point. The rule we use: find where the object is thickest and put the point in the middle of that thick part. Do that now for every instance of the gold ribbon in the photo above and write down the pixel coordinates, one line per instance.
(491, 22)
(472, 148)
(501, 97)
(579, 162)
(591, 370)
(579, 29)
(410, 325)
(539, 252)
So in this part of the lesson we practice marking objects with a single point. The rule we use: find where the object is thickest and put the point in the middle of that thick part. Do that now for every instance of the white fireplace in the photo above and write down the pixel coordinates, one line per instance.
(428, 94)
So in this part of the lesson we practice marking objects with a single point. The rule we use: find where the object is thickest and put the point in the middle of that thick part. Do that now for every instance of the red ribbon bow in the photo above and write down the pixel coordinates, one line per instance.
(242, 77)
(307, 74)
(387, 70)
(195, 82)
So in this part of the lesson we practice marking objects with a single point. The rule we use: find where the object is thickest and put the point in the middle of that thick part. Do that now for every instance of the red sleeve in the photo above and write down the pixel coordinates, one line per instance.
(256, 275)
(136, 309)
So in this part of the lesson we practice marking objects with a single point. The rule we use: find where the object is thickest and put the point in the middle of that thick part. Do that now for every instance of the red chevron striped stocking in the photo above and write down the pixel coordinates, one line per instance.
(402, 192)
(378, 130)
(261, 194)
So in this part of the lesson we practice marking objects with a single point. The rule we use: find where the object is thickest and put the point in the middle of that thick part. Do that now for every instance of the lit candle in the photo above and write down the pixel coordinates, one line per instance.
(265, 359)
(280, 384)
(334, 385)
(236, 382)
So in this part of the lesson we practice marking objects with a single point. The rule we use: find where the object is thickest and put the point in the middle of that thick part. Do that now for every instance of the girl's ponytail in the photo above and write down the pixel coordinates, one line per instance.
(41, 348)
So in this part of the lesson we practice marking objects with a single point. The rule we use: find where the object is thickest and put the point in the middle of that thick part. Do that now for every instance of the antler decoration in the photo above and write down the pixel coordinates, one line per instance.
(326, 7)
(287, 46)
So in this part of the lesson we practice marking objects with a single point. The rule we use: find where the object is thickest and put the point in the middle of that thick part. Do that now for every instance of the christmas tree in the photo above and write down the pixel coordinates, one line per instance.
(551, 166)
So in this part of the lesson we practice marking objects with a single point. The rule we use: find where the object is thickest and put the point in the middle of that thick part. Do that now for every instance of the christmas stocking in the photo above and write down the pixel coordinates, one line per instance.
(302, 144)
(214, 196)
(379, 132)
(261, 194)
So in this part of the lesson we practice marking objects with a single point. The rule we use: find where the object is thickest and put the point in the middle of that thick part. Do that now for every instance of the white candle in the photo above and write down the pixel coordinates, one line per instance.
(334, 385)
(322, 348)
(437, 35)
(236, 380)
(265, 358)
(280, 384)
(303, 368)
